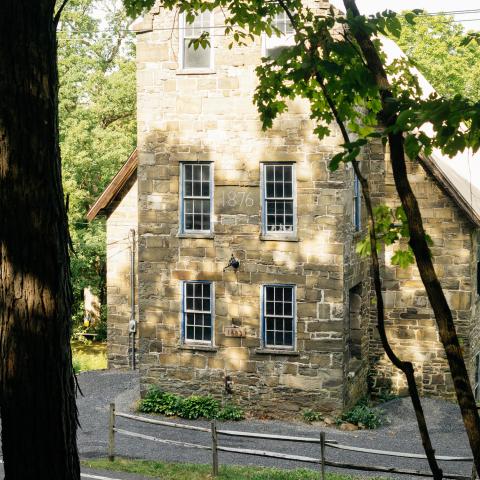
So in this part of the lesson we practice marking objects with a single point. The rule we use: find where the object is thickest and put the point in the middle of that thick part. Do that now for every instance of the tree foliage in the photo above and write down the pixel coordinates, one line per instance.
(436, 44)
(97, 124)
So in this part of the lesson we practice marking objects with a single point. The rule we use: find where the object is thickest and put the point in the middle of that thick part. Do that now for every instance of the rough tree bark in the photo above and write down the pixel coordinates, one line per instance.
(37, 385)
(418, 243)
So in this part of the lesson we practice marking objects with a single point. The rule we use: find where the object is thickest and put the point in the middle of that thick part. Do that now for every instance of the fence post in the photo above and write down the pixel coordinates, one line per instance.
(214, 448)
(322, 454)
(111, 433)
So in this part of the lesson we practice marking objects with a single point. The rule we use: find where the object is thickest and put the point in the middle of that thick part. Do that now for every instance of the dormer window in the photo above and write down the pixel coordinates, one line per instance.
(200, 58)
(273, 45)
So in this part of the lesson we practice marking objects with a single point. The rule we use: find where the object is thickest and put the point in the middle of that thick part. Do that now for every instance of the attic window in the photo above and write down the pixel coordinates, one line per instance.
(273, 45)
(283, 23)
(200, 58)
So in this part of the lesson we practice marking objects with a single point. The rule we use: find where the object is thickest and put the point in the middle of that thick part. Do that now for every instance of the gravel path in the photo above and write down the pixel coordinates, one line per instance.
(101, 388)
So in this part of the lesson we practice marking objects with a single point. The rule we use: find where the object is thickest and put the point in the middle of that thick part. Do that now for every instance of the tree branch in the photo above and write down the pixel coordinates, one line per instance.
(418, 243)
(56, 19)
(405, 367)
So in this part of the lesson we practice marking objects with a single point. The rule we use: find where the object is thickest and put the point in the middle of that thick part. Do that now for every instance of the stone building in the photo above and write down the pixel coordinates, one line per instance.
(291, 327)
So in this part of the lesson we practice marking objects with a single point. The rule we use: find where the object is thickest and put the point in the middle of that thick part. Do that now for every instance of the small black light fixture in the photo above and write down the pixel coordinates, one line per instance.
(233, 263)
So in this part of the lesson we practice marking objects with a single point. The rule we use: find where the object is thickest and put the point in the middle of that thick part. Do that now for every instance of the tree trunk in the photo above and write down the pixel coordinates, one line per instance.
(418, 242)
(405, 367)
(37, 386)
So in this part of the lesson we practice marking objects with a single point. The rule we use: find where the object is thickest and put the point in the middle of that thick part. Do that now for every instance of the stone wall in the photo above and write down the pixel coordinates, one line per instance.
(474, 336)
(122, 216)
(411, 326)
(211, 118)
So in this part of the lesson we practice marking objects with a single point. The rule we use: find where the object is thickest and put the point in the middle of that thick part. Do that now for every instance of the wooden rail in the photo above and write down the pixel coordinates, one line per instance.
(322, 461)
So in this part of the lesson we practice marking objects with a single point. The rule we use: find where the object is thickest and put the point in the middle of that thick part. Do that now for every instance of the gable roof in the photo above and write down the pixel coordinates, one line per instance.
(114, 187)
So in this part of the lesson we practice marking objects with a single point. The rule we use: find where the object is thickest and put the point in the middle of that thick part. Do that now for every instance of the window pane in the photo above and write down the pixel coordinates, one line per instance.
(199, 58)
(270, 308)
(207, 334)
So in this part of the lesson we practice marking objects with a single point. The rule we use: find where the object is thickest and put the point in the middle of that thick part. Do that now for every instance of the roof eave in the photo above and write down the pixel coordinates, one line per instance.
(114, 187)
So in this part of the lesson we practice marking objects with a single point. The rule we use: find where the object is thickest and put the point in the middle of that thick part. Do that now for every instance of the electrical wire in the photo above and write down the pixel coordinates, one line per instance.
(214, 27)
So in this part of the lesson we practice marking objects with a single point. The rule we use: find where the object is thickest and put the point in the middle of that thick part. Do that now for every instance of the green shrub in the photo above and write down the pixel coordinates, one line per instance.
(231, 412)
(191, 408)
(196, 406)
(364, 414)
(160, 402)
(312, 416)
(77, 366)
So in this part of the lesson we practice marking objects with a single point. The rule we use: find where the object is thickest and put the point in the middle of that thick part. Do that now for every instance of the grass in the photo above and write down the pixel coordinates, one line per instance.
(181, 471)
(89, 356)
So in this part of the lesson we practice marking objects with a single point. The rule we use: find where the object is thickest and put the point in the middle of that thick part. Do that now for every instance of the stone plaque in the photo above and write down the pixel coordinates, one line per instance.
(235, 200)
(235, 331)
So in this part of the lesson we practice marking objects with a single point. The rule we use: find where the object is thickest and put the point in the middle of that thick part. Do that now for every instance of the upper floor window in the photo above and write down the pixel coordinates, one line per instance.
(279, 203)
(197, 197)
(283, 23)
(278, 320)
(273, 45)
(200, 58)
(198, 312)
(357, 204)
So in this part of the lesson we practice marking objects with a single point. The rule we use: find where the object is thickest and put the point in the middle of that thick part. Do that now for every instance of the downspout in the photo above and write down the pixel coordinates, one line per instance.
(132, 325)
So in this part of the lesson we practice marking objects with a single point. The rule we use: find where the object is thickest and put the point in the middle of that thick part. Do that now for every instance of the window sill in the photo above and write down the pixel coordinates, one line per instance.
(196, 235)
(195, 71)
(279, 238)
(271, 351)
(201, 348)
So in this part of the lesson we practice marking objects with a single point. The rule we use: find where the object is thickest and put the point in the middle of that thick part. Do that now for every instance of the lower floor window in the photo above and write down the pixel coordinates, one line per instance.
(197, 311)
(279, 316)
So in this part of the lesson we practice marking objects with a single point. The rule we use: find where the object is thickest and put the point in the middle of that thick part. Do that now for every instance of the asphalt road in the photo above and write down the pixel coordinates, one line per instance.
(101, 388)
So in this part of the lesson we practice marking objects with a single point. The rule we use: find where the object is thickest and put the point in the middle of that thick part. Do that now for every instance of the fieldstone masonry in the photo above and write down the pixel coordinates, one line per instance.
(210, 117)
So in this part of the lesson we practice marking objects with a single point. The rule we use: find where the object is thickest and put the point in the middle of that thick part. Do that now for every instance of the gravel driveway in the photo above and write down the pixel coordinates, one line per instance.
(400, 434)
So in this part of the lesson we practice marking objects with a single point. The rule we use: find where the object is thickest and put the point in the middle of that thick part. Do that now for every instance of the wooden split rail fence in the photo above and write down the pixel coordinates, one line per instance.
(323, 443)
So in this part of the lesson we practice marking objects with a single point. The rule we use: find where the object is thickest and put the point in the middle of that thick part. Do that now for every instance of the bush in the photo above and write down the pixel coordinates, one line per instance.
(231, 412)
(312, 416)
(364, 414)
(196, 406)
(160, 402)
(191, 408)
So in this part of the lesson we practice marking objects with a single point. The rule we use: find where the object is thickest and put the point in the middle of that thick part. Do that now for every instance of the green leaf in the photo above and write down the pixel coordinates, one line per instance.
(403, 258)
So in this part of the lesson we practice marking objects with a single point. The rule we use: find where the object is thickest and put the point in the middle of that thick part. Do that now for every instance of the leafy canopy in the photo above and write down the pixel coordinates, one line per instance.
(97, 124)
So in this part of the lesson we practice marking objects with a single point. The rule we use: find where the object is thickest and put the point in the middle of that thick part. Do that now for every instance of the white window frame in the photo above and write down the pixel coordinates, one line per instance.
(181, 46)
(182, 199)
(263, 201)
(185, 340)
(263, 317)
(275, 41)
